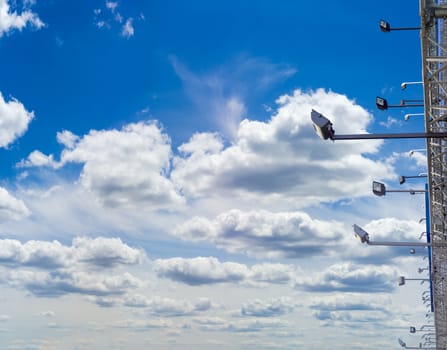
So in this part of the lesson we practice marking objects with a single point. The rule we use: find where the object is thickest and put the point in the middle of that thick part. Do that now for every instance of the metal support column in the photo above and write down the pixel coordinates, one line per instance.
(434, 70)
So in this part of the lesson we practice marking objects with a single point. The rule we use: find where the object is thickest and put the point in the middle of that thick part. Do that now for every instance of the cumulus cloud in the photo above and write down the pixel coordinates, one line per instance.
(38, 159)
(158, 306)
(106, 252)
(352, 308)
(348, 277)
(93, 252)
(274, 308)
(209, 270)
(201, 270)
(52, 269)
(61, 282)
(283, 159)
(263, 233)
(11, 208)
(14, 118)
(122, 168)
(11, 20)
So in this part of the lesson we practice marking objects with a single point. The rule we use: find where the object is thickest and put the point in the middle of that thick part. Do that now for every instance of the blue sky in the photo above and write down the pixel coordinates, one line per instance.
(163, 188)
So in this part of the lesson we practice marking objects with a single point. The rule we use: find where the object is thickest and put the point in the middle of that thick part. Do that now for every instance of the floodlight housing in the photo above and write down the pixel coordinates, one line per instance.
(412, 329)
(322, 125)
(378, 188)
(401, 280)
(402, 343)
(361, 234)
(381, 103)
(384, 26)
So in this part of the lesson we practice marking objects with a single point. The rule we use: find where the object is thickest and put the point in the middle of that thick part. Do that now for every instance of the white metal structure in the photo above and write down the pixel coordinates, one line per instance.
(434, 70)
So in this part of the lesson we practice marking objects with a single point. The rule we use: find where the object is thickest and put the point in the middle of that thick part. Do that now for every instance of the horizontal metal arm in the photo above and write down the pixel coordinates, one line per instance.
(408, 244)
(416, 135)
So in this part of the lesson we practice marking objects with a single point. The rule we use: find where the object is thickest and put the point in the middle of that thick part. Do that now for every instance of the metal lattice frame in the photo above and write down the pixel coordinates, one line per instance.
(434, 71)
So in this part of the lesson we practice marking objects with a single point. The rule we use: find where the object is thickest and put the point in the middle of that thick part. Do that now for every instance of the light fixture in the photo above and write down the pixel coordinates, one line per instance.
(403, 178)
(413, 151)
(385, 27)
(404, 345)
(383, 105)
(323, 127)
(407, 116)
(404, 85)
(363, 236)
(401, 280)
(379, 189)
(422, 328)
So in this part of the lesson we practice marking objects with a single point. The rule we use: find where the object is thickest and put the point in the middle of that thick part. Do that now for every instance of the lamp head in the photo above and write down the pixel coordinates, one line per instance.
(361, 234)
(402, 343)
(401, 180)
(378, 188)
(412, 329)
(381, 103)
(403, 86)
(401, 280)
(322, 125)
(384, 26)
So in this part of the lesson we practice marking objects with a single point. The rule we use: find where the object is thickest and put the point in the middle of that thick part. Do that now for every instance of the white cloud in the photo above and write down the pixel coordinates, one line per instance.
(14, 118)
(67, 138)
(267, 234)
(10, 21)
(348, 277)
(11, 207)
(110, 17)
(51, 269)
(282, 159)
(84, 252)
(62, 282)
(106, 252)
(201, 270)
(390, 122)
(112, 5)
(273, 308)
(219, 95)
(209, 270)
(122, 168)
(363, 311)
(38, 159)
(128, 30)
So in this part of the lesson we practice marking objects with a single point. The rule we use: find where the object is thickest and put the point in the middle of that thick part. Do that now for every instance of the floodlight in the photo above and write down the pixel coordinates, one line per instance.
(404, 85)
(381, 103)
(322, 125)
(412, 329)
(403, 178)
(402, 343)
(378, 188)
(386, 28)
(402, 280)
(361, 234)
